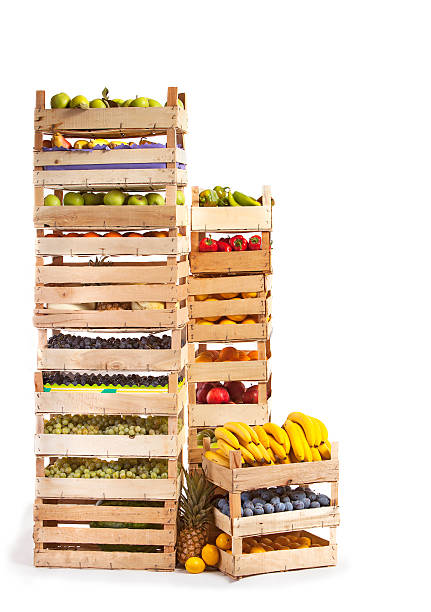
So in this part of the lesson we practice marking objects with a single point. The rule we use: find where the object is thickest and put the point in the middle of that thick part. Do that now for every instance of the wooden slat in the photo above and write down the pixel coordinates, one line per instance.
(228, 333)
(227, 284)
(104, 560)
(102, 217)
(112, 246)
(68, 121)
(70, 445)
(228, 370)
(112, 359)
(81, 535)
(109, 156)
(214, 415)
(222, 308)
(231, 219)
(110, 293)
(85, 402)
(239, 261)
(109, 179)
(73, 513)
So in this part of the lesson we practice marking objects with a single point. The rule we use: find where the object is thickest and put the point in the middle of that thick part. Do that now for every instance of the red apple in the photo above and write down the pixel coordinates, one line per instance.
(218, 395)
(251, 395)
(202, 391)
(236, 390)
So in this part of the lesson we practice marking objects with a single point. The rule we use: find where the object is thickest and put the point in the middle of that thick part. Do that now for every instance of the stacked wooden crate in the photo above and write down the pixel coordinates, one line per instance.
(235, 273)
(145, 268)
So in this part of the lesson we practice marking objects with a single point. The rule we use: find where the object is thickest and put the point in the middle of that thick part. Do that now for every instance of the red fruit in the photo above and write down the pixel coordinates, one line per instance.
(251, 395)
(218, 395)
(202, 391)
(236, 390)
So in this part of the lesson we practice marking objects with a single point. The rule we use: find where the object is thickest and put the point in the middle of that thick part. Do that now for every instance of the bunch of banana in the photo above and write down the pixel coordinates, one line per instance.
(308, 438)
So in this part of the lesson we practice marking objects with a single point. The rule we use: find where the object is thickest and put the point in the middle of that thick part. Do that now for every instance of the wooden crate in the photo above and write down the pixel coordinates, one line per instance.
(260, 307)
(63, 536)
(156, 360)
(215, 415)
(239, 565)
(234, 262)
(124, 281)
(236, 219)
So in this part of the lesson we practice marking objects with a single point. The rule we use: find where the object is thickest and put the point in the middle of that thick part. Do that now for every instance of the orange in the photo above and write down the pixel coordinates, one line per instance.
(90, 235)
(228, 296)
(203, 322)
(248, 320)
(75, 235)
(201, 298)
(242, 356)
(229, 353)
(257, 549)
(204, 357)
(251, 294)
(253, 355)
(226, 322)
(195, 565)
(224, 541)
(210, 554)
(133, 235)
(112, 235)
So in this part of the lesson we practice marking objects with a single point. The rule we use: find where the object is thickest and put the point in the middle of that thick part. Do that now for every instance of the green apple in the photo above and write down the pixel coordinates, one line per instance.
(137, 200)
(181, 198)
(128, 102)
(97, 103)
(91, 199)
(100, 195)
(142, 102)
(152, 102)
(179, 102)
(78, 100)
(114, 198)
(118, 101)
(155, 199)
(52, 200)
(73, 199)
(60, 100)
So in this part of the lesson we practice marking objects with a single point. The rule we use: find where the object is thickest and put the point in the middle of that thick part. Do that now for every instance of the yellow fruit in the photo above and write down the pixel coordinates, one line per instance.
(319, 437)
(226, 322)
(216, 318)
(203, 322)
(253, 434)
(276, 432)
(255, 451)
(307, 450)
(264, 451)
(81, 144)
(210, 554)
(221, 433)
(257, 549)
(286, 459)
(304, 540)
(247, 455)
(292, 457)
(228, 296)
(315, 454)
(294, 431)
(228, 551)
(324, 451)
(307, 425)
(268, 548)
(224, 541)
(262, 435)
(248, 321)
(97, 141)
(241, 432)
(278, 450)
(195, 565)
(323, 429)
(216, 457)
(237, 317)
(225, 449)
(271, 454)
(251, 294)
(201, 298)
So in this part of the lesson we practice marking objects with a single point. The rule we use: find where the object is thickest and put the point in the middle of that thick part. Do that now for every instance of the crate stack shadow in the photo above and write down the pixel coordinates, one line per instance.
(243, 279)
(73, 269)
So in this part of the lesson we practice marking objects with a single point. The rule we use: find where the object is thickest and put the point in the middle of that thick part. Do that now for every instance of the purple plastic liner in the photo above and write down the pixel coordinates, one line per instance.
(149, 166)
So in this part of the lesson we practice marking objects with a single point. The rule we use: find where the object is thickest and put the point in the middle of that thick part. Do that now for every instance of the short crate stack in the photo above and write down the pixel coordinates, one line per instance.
(243, 279)
(73, 516)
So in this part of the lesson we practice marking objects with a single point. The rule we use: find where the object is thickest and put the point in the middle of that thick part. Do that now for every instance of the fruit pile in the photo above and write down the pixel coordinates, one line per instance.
(79, 467)
(59, 141)
(228, 353)
(302, 438)
(230, 392)
(276, 499)
(68, 341)
(227, 245)
(223, 196)
(131, 426)
(111, 198)
(106, 381)
(111, 234)
(63, 100)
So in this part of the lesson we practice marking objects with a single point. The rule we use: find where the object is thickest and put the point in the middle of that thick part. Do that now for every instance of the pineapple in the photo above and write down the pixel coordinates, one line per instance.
(195, 514)
(104, 261)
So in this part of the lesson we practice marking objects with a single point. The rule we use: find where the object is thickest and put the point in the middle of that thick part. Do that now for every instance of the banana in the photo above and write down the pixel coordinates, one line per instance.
(241, 432)
(264, 451)
(293, 458)
(323, 429)
(256, 452)
(318, 437)
(307, 450)
(307, 425)
(221, 433)
(216, 457)
(286, 460)
(247, 455)
(328, 444)
(324, 451)
(276, 432)
(271, 455)
(225, 448)
(278, 449)
(262, 435)
(293, 430)
(253, 434)
(315, 453)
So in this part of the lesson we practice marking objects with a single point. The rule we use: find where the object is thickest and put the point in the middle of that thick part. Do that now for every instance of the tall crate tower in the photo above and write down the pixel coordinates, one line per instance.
(241, 313)
(98, 270)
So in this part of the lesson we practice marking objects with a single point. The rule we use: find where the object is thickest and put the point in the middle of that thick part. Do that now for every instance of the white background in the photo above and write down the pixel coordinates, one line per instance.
(329, 103)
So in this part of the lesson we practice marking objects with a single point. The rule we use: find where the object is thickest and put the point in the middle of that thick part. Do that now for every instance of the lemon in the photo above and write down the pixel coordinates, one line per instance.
(210, 554)
(224, 541)
(195, 565)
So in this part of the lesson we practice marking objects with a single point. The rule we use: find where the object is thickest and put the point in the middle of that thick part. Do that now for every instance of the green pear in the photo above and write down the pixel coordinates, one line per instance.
(73, 199)
(51, 200)
(152, 102)
(91, 199)
(179, 102)
(60, 100)
(114, 198)
(155, 199)
(97, 103)
(128, 102)
(141, 102)
(118, 101)
(181, 198)
(79, 101)
(137, 200)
